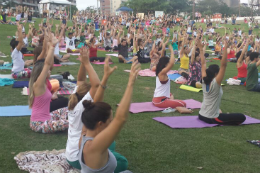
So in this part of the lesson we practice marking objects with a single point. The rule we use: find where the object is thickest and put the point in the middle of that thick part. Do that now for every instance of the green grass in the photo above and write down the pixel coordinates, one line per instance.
(150, 147)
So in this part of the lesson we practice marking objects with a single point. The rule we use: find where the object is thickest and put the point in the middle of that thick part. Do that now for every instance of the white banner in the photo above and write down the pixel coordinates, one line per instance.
(159, 13)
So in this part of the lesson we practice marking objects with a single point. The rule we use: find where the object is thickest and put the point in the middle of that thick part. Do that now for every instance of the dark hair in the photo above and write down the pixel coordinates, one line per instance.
(162, 64)
(253, 56)
(70, 33)
(14, 43)
(94, 113)
(248, 53)
(123, 40)
(91, 40)
(238, 54)
(211, 71)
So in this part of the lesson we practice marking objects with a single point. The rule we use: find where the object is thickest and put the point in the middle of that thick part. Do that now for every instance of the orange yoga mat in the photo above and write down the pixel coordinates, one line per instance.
(28, 54)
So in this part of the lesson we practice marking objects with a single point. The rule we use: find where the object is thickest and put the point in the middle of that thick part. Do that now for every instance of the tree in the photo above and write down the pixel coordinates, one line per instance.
(168, 6)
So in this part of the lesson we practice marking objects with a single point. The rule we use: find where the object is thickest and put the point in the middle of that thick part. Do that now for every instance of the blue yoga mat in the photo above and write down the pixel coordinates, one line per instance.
(6, 67)
(22, 84)
(173, 77)
(15, 111)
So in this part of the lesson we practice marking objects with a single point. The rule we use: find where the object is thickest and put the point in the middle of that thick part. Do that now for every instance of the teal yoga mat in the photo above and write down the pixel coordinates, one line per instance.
(15, 111)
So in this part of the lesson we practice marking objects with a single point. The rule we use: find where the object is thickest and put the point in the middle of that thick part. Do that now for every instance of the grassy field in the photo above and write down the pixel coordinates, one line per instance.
(150, 147)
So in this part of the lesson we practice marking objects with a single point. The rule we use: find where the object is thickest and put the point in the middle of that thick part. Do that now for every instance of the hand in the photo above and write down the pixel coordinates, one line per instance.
(84, 55)
(54, 40)
(136, 67)
(54, 96)
(107, 69)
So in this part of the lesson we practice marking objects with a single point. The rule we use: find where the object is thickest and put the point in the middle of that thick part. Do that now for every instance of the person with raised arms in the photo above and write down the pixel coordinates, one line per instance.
(40, 94)
(242, 62)
(162, 94)
(212, 93)
(102, 129)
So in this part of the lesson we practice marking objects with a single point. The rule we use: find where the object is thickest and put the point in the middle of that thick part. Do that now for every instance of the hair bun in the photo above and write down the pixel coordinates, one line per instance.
(88, 104)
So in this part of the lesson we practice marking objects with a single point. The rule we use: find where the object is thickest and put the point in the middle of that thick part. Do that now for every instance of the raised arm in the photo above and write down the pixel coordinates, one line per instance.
(193, 54)
(93, 77)
(20, 38)
(101, 89)
(44, 47)
(104, 139)
(47, 64)
(203, 61)
(223, 66)
(240, 59)
(170, 64)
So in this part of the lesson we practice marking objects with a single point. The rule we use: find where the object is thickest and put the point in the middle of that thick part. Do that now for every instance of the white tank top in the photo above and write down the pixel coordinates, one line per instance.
(162, 90)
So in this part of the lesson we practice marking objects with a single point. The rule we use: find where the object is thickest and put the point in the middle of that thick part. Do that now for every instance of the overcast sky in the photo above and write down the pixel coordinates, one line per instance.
(83, 4)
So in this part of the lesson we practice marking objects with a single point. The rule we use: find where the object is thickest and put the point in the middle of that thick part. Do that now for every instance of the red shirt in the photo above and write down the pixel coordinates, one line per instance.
(92, 52)
(242, 71)
(231, 54)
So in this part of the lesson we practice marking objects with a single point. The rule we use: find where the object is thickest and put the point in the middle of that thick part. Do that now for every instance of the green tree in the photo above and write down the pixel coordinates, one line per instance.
(168, 6)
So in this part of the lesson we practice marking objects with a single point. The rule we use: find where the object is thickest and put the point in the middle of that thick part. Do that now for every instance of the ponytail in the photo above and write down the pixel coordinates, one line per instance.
(75, 98)
(73, 101)
(211, 72)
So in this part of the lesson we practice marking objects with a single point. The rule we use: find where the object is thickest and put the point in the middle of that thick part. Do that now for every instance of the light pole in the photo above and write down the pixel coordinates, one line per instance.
(193, 9)
(97, 6)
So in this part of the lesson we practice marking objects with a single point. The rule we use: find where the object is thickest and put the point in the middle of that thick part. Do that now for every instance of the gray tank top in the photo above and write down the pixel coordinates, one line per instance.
(108, 168)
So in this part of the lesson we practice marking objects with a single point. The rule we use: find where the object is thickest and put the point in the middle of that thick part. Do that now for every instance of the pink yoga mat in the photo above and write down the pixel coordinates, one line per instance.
(57, 65)
(187, 122)
(150, 73)
(149, 107)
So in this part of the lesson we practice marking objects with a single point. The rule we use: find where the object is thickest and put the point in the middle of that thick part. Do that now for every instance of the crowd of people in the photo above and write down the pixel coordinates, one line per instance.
(88, 119)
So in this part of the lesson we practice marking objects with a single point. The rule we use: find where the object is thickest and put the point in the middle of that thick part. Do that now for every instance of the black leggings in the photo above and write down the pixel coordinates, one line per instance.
(60, 102)
(100, 59)
(225, 119)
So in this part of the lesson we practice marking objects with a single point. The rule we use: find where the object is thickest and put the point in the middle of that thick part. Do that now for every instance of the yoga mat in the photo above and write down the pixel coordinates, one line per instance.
(28, 54)
(190, 88)
(56, 65)
(150, 73)
(100, 63)
(187, 122)
(69, 63)
(6, 81)
(173, 77)
(6, 67)
(15, 111)
(115, 54)
(20, 84)
(73, 54)
(7, 76)
(149, 107)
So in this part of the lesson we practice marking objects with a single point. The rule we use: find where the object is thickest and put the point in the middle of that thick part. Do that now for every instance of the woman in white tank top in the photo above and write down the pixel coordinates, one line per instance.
(162, 96)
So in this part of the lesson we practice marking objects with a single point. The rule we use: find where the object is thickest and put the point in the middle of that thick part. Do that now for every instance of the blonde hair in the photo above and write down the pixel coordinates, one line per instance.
(82, 90)
(37, 69)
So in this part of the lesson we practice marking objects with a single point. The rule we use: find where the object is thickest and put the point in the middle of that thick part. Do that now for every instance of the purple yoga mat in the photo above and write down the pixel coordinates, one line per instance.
(187, 122)
(149, 107)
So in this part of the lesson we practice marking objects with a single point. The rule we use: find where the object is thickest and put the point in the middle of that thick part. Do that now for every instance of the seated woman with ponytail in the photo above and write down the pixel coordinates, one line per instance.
(212, 93)
(162, 96)
(102, 129)
(40, 95)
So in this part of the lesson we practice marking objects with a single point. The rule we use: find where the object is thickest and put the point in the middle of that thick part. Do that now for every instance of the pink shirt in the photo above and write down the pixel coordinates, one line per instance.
(41, 106)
